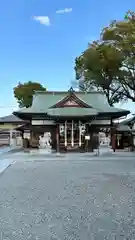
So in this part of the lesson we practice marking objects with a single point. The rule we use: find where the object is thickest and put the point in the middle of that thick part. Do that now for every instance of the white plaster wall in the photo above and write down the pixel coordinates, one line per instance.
(13, 142)
(19, 141)
(42, 122)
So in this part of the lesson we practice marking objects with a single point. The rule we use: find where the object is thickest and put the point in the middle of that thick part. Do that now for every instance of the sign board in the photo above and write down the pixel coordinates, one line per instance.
(87, 137)
(26, 135)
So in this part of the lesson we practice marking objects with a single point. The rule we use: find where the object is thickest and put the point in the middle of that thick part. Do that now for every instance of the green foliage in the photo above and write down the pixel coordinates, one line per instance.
(24, 92)
(121, 34)
(99, 66)
(109, 64)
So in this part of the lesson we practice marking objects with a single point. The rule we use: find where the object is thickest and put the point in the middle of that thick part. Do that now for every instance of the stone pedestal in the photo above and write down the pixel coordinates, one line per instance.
(44, 151)
(104, 149)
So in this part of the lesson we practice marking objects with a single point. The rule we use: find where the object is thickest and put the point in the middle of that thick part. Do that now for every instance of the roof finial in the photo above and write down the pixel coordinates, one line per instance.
(71, 89)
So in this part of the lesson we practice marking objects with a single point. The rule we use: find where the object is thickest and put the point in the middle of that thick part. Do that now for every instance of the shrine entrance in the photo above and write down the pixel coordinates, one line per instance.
(69, 135)
(72, 134)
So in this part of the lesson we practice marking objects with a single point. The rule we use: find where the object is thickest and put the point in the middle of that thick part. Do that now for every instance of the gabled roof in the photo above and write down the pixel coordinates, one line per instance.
(42, 101)
(13, 128)
(71, 99)
(10, 119)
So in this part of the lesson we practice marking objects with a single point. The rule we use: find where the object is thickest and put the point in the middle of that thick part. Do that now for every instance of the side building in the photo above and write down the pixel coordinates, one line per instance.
(125, 131)
(74, 119)
(8, 128)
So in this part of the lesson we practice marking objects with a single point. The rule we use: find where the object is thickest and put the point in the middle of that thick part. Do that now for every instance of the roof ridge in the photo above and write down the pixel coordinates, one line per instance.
(66, 92)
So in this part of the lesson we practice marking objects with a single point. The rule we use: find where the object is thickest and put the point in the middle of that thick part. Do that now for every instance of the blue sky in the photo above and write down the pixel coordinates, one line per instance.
(44, 51)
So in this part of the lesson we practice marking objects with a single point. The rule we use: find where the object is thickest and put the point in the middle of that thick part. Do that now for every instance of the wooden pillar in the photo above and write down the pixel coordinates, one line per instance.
(113, 136)
(90, 142)
(72, 134)
(57, 139)
(86, 140)
(114, 142)
(80, 137)
(31, 139)
(111, 132)
(65, 133)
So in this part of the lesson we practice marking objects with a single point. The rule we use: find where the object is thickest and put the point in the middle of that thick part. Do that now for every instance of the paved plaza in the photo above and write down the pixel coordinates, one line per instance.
(67, 197)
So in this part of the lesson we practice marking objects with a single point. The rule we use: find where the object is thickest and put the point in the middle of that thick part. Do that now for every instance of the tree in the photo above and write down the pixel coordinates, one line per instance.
(121, 35)
(98, 68)
(109, 64)
(24, 92)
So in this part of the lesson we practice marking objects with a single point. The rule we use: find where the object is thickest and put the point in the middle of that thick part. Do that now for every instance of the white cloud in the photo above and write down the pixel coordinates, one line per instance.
(43, 20)
(65, 10)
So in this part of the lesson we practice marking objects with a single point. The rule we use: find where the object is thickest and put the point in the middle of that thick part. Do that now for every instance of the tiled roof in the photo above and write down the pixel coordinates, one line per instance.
(72, 111)
(10, 119)
(42, 101)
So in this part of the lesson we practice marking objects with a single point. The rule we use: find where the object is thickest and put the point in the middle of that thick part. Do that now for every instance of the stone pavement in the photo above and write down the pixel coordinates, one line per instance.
(4, 149)
(34, 156)
(8, 157)
(76, 197)
(5, 162)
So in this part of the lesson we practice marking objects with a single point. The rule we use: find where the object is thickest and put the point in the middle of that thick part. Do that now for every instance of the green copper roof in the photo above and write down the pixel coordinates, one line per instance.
(42, 101)
(72, 111)
(11, 119)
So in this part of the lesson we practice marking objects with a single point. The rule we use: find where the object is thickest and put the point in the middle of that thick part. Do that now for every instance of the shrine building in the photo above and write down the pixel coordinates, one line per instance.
(71, 118)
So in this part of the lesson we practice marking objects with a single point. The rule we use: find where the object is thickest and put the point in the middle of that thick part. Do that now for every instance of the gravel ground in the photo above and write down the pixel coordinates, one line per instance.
(68, 200)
